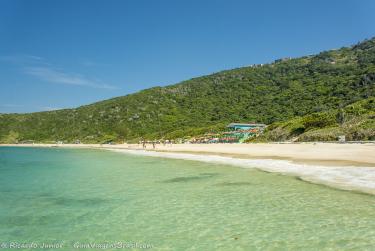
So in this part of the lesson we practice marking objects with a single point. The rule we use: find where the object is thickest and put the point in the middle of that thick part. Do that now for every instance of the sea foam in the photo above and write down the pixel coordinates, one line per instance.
(356, 178)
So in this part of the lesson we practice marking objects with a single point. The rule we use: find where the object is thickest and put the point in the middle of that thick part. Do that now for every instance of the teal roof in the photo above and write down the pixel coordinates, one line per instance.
(245, 125)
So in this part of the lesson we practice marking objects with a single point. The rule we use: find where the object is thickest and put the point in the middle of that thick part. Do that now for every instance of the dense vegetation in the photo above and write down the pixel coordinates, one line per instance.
(267, 93)
(355, 121)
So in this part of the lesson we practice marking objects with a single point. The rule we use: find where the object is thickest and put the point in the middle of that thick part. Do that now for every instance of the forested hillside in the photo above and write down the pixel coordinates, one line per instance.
(269, 93)
(355, 121)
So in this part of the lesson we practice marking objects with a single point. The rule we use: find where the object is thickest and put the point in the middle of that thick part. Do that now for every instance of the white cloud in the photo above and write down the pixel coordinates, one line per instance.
(22, 59)
(49, 74)
(40, 68)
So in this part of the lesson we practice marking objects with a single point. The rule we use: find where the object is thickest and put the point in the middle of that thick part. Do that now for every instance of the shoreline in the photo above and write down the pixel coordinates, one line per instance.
(345, 167)
(348, 177)
(314, 153)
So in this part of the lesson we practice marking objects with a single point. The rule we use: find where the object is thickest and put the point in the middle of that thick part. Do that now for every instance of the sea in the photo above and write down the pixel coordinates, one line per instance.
(87, 199)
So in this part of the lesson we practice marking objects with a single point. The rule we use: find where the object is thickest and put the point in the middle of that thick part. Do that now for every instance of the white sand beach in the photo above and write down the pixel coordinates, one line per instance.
(358, 154)
(361, 153)
(343, 166)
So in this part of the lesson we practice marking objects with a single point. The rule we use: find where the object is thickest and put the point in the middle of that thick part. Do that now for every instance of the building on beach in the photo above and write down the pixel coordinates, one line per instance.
(234, 133)
(240, 132)
(242, 126)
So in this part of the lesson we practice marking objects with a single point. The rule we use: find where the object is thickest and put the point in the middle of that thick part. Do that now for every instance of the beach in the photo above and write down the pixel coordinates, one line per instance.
(323, 153)
(309, 152)
(342, 166)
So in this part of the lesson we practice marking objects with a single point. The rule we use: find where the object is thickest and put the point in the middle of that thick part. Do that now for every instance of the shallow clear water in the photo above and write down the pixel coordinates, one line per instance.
(92, 196)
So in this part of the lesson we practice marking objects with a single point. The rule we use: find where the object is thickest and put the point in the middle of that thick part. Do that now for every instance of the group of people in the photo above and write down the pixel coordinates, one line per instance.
(154, 142)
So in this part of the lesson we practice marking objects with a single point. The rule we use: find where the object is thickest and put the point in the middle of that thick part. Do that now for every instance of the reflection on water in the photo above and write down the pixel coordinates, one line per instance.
(98, 196)
(191, 178)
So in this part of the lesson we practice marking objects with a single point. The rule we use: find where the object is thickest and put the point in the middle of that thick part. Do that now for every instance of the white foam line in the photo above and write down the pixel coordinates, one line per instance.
(343, 177)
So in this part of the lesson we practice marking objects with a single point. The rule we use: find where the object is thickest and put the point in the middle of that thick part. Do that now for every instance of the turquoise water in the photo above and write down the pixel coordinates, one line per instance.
(75, 197)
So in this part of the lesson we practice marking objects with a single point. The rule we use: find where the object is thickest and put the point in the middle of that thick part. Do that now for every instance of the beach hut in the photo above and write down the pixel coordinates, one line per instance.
(243, 126)
(239, 132)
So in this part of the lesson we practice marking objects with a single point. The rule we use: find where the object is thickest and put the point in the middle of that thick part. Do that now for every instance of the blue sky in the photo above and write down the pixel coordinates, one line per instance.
(61, 54)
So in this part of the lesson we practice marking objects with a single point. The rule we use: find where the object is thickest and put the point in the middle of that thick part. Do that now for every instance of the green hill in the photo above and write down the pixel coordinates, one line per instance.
(269, 93)
(356, 121)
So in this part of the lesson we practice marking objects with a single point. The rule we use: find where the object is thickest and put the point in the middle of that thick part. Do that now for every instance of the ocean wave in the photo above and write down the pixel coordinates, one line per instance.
(343, 177)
